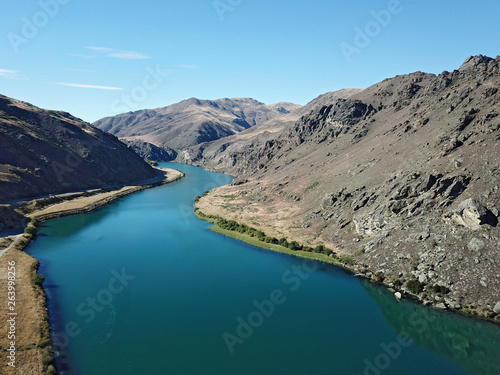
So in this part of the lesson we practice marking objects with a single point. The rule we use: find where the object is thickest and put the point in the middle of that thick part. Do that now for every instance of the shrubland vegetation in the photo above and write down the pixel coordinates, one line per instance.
(260, 236)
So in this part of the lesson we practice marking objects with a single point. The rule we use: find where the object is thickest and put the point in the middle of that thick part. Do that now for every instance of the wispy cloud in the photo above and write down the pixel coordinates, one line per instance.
(83, 86)
(118, 54)
(11, 74)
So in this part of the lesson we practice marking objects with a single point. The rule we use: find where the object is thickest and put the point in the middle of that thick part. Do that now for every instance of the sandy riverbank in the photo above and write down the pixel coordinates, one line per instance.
(33, 348)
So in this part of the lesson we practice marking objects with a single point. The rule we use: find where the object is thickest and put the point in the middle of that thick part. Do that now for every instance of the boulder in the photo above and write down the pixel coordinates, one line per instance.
(369, 225)
(441, 306)
(496, 309)
(476, 245)
(472, 214)
(452, 304)
(422, 279)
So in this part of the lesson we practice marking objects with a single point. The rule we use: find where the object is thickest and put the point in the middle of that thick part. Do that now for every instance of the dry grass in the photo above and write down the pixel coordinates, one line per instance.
(30, 306)
(32, 318)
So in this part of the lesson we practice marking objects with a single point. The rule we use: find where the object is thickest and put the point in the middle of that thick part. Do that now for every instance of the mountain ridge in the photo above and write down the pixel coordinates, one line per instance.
(215, 154)
(401, 176)
(49, 152)
(192, 121)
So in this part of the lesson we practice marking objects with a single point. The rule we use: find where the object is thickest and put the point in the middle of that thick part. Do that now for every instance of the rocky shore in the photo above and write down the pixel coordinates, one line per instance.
(402, 176)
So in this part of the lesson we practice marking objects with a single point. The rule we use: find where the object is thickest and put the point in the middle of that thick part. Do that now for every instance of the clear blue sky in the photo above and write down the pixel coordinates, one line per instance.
(98, 58)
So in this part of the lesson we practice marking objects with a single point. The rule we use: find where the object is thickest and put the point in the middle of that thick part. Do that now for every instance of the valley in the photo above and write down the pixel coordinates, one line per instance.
(397, 183)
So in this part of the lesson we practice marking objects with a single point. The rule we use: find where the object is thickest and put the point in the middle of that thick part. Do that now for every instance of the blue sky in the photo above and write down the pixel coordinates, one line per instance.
(99, 58)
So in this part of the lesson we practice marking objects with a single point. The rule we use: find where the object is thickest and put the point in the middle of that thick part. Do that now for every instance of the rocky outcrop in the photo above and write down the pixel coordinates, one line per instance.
(473, 215)
(151, 152)
(231, 153)
(403, 176)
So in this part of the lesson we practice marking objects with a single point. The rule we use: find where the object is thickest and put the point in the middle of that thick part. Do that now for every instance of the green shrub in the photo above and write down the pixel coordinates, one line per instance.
(440, 289)
(327, 251)
(35, 265)
(47, 357)
(347, 260)
(44, 343)
(31, 230)
(415, 286)
(313, 185)
(38, 279)
(319, 249)
(397, 282)
(294, 245)
(283, 242)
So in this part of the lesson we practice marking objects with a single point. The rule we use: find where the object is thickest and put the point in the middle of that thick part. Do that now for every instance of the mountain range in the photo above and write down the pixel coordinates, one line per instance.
(191, 122)
(402, 176)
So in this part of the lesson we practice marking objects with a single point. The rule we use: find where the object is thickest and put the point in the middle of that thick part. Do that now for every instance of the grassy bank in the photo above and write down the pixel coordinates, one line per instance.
(258, 238)
(34, 353)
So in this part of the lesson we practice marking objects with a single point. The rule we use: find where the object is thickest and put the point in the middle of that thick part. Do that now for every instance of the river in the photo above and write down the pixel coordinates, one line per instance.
(144, 287)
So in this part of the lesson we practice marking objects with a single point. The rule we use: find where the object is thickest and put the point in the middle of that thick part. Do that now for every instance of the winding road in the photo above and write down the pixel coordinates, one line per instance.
(16, 238)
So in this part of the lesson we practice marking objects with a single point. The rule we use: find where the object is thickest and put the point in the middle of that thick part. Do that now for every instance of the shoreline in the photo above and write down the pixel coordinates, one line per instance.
(355, 269)
(33, 343)
(272, 247)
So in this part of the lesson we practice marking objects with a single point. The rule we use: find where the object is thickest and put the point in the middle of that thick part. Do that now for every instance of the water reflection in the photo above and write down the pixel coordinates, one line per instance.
(471, 343)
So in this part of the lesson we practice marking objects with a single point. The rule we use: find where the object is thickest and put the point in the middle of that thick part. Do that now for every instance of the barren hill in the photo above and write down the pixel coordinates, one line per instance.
(192, 121)
(403, 176)
(223, 153)
(49, 152)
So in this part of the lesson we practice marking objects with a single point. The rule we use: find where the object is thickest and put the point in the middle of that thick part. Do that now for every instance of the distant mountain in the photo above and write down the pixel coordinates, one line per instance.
(403, 176)
(224, 152)
(192, 121)
(48, 152)
(149, 151)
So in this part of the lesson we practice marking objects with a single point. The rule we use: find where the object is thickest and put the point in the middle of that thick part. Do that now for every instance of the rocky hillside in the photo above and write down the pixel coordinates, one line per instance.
(403, 176)
(48, 152)
(192, 121)
(149, 151)
(223, 153)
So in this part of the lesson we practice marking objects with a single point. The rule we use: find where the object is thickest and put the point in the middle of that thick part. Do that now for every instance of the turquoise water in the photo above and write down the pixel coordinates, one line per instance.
(143, 287)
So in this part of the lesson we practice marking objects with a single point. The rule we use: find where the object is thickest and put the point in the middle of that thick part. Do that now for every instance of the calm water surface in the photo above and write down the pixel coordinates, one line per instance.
(143, 287)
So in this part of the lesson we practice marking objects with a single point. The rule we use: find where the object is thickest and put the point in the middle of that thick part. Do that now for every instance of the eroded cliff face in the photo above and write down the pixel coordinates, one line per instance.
(404, 176)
